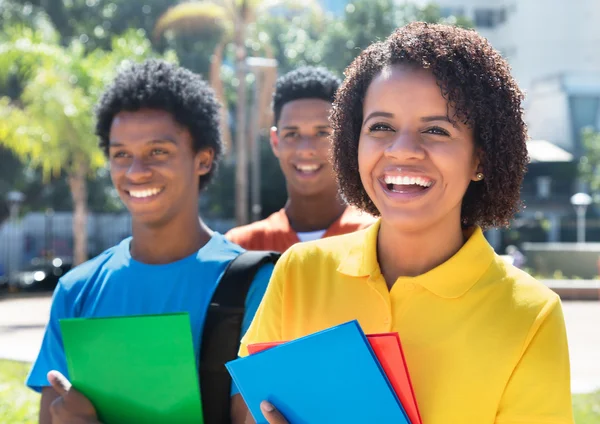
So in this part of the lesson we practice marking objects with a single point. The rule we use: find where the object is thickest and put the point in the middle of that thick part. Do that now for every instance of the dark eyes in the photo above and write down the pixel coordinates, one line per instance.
(153, 152)
(380, 126)
(437, 131)
(292, 134)
(156, 152)
(295, 134)
(119, 155)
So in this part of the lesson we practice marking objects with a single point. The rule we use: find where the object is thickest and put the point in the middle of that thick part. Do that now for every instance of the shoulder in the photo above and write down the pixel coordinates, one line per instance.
(526, 290)
(356, 219)
(220, 247)
(244, 234)
(223, 251)
(326, 252)
(88, 270)
(520, 296)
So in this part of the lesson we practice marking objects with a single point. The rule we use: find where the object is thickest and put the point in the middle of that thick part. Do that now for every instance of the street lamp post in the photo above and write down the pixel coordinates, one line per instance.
(580, 202)
(257, 65)
(14, 200)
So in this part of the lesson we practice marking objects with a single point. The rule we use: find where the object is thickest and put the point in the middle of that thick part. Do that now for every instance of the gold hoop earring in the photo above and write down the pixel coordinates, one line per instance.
(479, 176)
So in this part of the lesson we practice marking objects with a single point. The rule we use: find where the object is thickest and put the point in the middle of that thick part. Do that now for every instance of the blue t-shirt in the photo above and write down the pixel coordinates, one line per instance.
(115, 284)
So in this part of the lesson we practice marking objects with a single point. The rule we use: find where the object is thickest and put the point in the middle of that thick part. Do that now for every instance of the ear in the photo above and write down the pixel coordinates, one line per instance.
(204, 161)
(274, 141)
(477, 165)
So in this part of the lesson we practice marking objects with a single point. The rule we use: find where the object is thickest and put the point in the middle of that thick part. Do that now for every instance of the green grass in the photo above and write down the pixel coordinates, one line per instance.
(587, 408)
(19, 405)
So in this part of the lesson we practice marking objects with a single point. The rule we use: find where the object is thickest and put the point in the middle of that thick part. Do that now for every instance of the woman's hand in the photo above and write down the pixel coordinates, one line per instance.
(272, 415)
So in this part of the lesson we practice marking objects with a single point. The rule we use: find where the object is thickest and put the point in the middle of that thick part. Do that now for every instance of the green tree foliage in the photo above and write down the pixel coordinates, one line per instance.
(589, 164)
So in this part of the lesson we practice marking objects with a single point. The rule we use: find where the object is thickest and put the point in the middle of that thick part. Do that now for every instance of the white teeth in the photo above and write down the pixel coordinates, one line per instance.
(307, 168)
(405, 180)
(144, 193)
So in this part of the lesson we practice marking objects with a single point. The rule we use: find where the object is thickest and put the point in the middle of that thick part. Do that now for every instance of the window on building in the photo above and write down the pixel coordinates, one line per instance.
(489, 18)
(484, 18)
(446, 12)
(544, 185)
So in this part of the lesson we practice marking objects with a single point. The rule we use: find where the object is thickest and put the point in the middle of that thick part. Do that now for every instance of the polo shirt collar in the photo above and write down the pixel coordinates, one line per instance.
(451, 279)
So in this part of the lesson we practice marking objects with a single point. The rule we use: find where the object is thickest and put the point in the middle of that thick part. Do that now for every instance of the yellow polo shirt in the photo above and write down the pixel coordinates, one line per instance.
(484, 341)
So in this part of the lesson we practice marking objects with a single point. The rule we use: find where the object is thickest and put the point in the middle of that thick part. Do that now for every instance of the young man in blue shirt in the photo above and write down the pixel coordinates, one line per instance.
(159, 127)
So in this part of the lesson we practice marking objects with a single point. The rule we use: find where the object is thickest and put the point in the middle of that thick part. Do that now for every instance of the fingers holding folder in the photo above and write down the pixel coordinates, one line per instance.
(272, 415)
(70, 407)
(308, 379)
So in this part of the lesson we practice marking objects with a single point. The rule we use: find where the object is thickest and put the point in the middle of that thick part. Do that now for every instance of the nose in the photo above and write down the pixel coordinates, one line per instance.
(406, 146)
(306, 146)
(138, 170)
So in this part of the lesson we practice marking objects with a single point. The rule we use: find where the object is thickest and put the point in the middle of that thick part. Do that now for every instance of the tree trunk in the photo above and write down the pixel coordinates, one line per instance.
(266, 94)
(241, 168)
(78, 186)
(217, 84)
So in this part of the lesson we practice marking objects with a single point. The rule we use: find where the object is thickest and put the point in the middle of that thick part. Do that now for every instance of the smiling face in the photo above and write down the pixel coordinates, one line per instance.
(301, 144)
(415, 159)
(153, 166)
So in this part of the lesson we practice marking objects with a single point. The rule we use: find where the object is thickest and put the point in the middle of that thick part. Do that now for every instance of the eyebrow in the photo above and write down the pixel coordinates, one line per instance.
(162, 140)
(423, 119)
(439, 118)
(378, 113)
(295, 127)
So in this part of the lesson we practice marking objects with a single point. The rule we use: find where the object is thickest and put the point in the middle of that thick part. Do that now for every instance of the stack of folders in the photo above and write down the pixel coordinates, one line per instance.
(338, 375)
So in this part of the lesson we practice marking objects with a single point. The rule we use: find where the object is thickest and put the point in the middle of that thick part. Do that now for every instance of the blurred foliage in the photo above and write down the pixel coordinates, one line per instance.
(589, 163)
(333, 42)
(92, 37)
(51, 123)
(18, 404)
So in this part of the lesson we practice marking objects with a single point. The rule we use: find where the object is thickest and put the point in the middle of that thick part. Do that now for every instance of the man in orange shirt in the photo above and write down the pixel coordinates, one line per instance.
(300, 140)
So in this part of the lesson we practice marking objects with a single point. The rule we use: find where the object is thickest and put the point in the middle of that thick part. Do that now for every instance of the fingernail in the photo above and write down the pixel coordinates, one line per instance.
(267, 406)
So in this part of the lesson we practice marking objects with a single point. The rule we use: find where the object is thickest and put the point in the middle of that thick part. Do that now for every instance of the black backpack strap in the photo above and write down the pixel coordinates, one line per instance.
(222, 332)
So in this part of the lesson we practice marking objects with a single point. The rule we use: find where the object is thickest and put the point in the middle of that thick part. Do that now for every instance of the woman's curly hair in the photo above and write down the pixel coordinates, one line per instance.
(476, 82)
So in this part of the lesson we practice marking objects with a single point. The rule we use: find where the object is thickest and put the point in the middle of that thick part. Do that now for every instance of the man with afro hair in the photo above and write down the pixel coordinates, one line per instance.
(159, 127)
(300, 139)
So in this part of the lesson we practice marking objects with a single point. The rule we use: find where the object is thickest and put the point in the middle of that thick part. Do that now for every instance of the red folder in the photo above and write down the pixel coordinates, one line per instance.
(388, 350)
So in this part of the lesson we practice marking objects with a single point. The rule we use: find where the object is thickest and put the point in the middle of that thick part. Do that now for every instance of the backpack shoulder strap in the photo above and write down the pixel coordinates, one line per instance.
(222, 332)
(239, 274)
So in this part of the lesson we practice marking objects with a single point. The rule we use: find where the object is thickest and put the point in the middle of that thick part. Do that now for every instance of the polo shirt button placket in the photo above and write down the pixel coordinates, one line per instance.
(387, 321)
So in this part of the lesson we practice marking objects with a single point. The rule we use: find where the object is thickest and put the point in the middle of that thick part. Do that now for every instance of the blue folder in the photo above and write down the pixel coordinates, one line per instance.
(328, 377)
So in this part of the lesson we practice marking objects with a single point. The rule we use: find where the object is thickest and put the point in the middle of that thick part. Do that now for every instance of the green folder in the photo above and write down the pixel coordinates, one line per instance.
(136, 369)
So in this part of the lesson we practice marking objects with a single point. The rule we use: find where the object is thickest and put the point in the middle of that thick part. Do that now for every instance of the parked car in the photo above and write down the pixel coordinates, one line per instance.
(40, 275)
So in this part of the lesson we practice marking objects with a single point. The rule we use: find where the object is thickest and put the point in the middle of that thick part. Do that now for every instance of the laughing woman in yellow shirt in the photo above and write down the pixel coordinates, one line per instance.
(429, 136)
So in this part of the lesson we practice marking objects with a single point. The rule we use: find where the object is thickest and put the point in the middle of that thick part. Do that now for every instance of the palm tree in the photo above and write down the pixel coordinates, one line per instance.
(51, 123)
(232, 18)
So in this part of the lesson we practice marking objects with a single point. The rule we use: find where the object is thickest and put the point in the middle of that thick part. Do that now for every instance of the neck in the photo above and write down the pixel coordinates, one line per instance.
(408, 254)
(313, 213)
(168, 243)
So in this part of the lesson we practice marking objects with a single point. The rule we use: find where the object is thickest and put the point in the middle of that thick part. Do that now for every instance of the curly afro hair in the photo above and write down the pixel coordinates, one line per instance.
(476, 82)
(156, 84)
(307, 82)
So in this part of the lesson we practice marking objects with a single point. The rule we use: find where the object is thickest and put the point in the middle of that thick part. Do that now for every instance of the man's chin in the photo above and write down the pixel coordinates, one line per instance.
(307, 190)
(148, 220)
